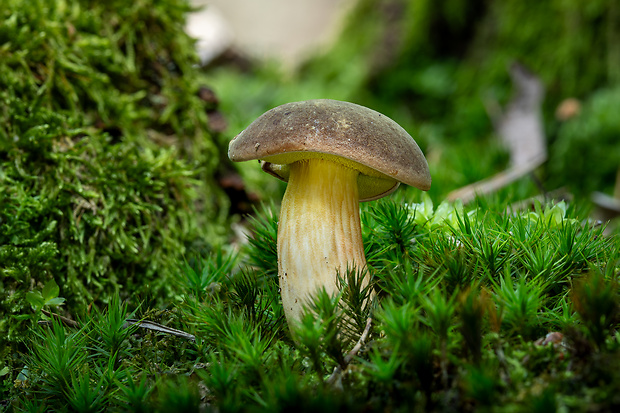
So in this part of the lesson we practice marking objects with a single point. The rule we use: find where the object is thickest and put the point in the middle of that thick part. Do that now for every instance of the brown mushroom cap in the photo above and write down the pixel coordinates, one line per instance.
(361, 138)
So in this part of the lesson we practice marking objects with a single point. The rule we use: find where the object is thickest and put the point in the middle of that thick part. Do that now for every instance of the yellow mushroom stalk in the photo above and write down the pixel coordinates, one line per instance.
(319, 231)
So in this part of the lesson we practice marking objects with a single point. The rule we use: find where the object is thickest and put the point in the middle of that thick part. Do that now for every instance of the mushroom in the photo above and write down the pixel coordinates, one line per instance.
(333, 155)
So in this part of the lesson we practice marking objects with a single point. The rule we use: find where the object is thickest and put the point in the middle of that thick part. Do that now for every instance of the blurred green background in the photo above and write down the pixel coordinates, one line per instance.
(437, 66)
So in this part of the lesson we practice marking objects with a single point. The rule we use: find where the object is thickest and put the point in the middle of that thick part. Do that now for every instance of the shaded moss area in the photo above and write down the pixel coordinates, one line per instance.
(106, 157)
(587, 151)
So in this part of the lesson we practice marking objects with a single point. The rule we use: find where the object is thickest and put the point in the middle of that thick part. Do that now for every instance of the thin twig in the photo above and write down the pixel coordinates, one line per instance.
(520, 128)
(349, 357)
(149, 325)
(66, 321)
(498, 181)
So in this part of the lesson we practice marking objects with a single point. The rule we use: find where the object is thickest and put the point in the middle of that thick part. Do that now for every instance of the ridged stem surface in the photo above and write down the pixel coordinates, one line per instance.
(319, 231)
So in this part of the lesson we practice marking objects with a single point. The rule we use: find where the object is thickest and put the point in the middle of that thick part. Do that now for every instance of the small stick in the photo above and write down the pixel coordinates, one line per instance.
(498, 181)
(349, 357)
(66, 321)
(149, 325)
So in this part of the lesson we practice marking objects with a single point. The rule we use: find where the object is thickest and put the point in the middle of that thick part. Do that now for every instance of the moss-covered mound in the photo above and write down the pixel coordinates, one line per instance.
(106, 158)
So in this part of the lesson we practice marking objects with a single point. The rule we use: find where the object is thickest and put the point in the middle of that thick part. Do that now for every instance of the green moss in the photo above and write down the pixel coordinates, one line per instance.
(106, 157)
(432, 346)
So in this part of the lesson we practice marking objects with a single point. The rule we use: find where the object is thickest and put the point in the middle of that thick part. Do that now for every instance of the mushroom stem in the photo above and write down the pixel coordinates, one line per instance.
(319, 232)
